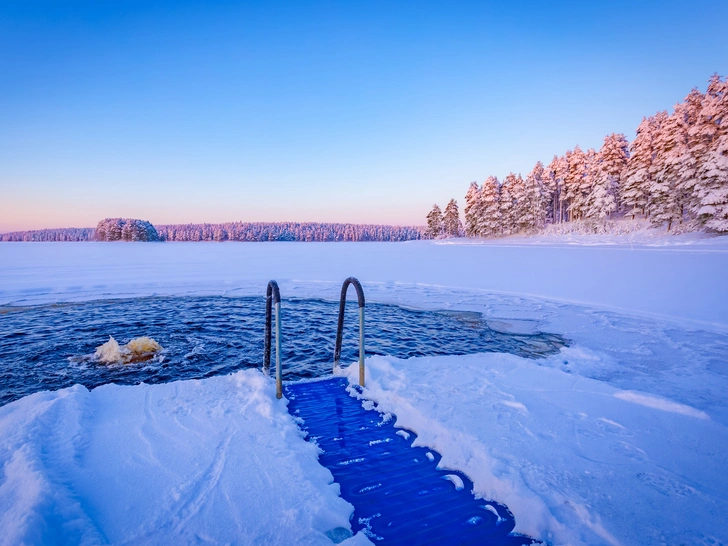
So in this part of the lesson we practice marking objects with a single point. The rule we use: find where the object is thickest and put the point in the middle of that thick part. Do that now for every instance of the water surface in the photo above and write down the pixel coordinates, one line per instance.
(50, 347)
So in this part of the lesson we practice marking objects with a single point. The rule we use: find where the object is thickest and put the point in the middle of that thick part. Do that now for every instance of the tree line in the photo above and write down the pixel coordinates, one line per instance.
(127, 229)
(674, 174)
(288, 231)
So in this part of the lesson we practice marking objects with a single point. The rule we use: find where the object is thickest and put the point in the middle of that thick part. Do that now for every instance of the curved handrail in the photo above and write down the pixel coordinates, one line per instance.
(340, 328)
(273, 296)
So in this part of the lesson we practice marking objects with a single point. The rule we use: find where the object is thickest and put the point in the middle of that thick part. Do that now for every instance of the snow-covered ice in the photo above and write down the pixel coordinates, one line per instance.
(619, 439)
(683, 281)
(577, 460)
(213, 461)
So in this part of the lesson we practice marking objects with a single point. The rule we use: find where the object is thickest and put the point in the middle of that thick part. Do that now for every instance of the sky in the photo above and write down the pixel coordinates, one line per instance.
(351, 111)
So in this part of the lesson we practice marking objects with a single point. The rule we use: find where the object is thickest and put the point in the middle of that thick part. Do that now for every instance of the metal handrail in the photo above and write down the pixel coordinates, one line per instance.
(340, 328)
(273, 296)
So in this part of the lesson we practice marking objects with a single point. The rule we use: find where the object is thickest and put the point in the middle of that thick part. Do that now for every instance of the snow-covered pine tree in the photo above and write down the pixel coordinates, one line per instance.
(507, 205)
(586, 186)
(536, 208)
(636, 178)
(688, 162)
(669, 147)
(451, 220)
(472, 210)
(490, 220)
(611, 161)
(573, 182)
(434, 223)
(712, 176)
(520, 204)
(556, 172)
(659, 121)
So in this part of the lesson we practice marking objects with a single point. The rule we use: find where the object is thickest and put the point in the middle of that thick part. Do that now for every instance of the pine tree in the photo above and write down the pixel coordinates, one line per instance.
(451, 223)
(566, 189)
(637, 176)
(536, 208)
(490, 220)
(669, 148)
(712, 176)
(507, 205)
(434, 223)
(520, 205)
(473, 210)
(687, 163)
(573, 182)
(556, 173)
(586, 185)
(611, 161)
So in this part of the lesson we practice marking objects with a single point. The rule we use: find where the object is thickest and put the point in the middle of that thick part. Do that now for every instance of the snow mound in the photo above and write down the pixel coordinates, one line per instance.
(137, 350)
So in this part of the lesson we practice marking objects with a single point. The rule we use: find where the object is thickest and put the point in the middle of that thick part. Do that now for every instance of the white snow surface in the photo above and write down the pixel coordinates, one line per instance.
(575, 459)
(215, 461)
(681, 277)
(619, 439)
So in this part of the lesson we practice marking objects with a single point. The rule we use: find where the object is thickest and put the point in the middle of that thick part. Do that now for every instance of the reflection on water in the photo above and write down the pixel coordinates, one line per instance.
(51, 347)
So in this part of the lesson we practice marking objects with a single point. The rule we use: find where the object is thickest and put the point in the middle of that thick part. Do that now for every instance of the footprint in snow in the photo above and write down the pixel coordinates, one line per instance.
(666, 486)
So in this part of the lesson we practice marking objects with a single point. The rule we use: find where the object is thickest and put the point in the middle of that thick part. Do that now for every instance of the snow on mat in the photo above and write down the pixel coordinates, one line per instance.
(399, 493)
(216, 460)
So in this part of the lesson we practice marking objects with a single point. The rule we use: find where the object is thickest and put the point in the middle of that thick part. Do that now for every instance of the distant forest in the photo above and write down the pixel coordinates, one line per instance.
(674, 175)
(125, 229)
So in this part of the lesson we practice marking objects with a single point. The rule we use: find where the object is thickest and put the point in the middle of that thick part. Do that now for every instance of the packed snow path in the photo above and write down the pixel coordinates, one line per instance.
(400, 496)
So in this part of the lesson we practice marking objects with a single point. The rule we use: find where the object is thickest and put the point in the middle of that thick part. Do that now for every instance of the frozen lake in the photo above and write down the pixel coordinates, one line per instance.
(617, 438)
(669, 277)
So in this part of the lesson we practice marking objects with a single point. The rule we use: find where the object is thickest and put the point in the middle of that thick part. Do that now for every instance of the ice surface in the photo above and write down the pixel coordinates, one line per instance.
(684, 282)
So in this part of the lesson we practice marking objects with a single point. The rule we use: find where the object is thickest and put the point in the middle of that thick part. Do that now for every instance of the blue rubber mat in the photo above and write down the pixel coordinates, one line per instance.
(399, 494)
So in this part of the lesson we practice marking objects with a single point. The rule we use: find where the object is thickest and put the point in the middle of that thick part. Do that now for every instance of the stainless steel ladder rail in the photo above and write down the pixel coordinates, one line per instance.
(340, 328)
(273, 298)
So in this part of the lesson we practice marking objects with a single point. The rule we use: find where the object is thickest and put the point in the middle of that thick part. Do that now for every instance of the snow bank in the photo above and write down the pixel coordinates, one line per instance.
(684, 282)
(575, 459)
(218, 460)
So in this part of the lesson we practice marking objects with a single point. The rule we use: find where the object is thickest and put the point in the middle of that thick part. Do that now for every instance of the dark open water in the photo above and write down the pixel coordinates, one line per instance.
(49, 347)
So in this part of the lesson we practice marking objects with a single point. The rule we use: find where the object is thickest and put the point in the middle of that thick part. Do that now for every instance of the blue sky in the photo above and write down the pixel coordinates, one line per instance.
(319, 111)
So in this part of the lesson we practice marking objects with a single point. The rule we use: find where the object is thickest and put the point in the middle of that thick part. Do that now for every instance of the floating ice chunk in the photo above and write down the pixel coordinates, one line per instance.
(137, 350)
(403, 434)
(430, 456)
(143, 345)
(109, 352)
(456, 480)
